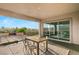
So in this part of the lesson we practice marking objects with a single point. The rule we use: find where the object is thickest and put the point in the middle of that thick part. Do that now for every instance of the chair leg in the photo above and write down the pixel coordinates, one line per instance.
(31, 51)
(25, 50)
(34, 52)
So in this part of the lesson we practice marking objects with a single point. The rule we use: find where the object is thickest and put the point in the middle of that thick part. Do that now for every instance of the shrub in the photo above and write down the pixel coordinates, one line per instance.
(21, 30)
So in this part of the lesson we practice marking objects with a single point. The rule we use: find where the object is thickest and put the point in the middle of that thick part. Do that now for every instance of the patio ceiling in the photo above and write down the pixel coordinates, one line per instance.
(37, 11)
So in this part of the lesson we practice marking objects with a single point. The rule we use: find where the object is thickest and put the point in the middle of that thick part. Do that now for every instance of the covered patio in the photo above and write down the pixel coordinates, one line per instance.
(58, 23)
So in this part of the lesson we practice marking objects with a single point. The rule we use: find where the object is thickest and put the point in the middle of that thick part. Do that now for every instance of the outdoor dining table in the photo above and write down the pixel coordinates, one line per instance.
(38, 41)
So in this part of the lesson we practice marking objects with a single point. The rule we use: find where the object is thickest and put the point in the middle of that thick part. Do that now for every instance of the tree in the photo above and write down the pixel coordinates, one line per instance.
(21, 30)
(3, 27)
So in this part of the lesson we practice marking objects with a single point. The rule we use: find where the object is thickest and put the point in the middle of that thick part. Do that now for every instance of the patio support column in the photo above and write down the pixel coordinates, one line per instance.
(40, 29)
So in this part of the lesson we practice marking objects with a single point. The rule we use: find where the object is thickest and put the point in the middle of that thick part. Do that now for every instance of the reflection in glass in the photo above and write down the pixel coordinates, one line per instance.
(64, 30)
(57, 30)
(46, 29)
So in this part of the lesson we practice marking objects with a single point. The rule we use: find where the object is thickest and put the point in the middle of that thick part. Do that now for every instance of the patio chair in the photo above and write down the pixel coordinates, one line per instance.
(29, 46)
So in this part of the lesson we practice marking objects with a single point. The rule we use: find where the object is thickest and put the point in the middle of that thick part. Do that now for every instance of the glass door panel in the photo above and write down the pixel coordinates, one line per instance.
(64, 30)
(46, 29)
(58, 30)
(54, 30)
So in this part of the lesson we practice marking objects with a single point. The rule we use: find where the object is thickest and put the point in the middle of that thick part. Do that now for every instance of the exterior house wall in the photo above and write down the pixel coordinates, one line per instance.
(75, 30)
(74, 27)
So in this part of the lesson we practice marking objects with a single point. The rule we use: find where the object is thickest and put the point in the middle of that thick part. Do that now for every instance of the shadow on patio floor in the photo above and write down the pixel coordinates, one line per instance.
(69, 46)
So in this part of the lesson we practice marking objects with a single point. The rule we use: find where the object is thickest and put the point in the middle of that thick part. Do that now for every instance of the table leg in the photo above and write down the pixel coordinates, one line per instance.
(37, 48)
(46, 45)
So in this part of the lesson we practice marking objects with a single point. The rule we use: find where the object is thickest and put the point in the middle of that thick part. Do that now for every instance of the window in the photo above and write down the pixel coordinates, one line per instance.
(46, 29)
(58, 30)
(64, 30)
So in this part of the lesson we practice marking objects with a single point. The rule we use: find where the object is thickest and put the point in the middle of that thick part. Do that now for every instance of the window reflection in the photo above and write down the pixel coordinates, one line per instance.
(57, 30)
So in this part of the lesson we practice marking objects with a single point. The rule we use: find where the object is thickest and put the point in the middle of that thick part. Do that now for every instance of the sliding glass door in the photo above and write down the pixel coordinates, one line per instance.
(55, 30)
(64, 30)
(46, 30)
(58, 30)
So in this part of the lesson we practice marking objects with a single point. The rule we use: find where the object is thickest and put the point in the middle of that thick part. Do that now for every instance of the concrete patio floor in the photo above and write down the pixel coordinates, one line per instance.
(54, 48)
(73, 48)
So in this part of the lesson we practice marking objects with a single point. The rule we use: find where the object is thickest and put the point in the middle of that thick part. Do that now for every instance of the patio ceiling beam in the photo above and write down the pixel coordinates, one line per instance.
(4, 12)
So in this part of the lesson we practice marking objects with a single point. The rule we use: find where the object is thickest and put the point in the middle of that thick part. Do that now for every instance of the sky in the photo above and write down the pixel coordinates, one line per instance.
(13, 22)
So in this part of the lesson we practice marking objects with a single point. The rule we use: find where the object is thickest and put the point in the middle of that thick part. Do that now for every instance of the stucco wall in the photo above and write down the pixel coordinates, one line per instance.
(74, 25)
(75, 30)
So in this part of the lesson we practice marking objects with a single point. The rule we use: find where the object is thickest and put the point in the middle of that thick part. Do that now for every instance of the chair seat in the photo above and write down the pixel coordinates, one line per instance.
(32, 47)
